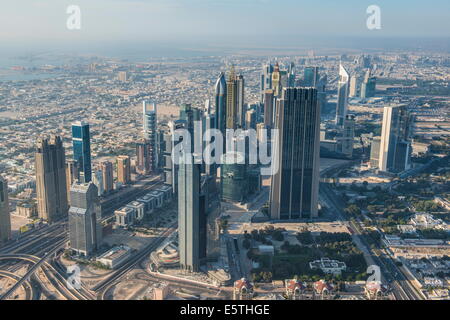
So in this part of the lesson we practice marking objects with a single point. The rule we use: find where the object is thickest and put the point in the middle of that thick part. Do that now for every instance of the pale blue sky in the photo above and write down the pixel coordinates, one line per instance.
(31, 21)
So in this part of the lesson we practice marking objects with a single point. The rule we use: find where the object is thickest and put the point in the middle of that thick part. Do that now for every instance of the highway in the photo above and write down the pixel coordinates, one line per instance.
(402, 288)
(102, 287)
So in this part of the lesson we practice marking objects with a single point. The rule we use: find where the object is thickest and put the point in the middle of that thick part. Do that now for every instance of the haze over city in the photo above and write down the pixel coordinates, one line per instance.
(220, 150)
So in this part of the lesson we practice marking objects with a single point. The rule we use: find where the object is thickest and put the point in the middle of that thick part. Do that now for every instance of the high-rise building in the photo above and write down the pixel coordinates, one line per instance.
(353, 86)
(266, 80)
(221, 103)
(233, 98)
(342, 100)
(233, 177)
(143, 157)
(250, 119)
(81, 142)
(84, 231)
(189, 213)
(98, 181)
(208, 123)
(368, 86)
(346, 137)
(150, 135)
(311, 77)
(124, 169)
(395, 145)
(51, 184)
(276, 80)
(5, 218)
(295, 185)
(268, 108)
(375, 152)
(241, 106)
(71, 175)
(108, 176)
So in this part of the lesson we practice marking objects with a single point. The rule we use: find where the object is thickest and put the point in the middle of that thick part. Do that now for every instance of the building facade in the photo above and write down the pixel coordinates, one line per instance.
(81, 141)
(51, 184)
(5, 218)
(84, 231)
(295, 185)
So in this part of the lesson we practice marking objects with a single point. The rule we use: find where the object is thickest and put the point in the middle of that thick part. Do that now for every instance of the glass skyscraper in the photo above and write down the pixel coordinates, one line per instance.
(295, 185)
(81, 142)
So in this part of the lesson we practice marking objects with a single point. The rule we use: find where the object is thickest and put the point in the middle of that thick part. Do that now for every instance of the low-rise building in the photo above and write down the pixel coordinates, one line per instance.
(115, 257)
(125, 216)
(328, 266)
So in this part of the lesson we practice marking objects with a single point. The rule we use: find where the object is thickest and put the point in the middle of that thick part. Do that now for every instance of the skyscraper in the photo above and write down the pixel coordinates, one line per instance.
(342, 100)
(51, 184)
(346, 136)
(71, 175)
(368, 86)
(124, 169)
(241, 106)
(81, 141)
(375, 152)
(221, 103)
(276, 80)
(84, 231)
(353, 86)
(295, 185)
(395, 145)
(189, 213)
(311, 76)
(143, 157)
(232, 100)
(98, 181)
(268, 108)
(5, 218)
(108, 176)
(150, 135)
(266, 80)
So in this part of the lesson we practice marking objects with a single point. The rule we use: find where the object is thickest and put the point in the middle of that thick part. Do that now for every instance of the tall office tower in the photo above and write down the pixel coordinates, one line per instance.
(232, 100)
(144, 159)
(71, 175)
(233, 177)
(375, 152)
(208, 123)
(311, 76)
(81, 142)
(5, 218)
(241, 106)
(124, 169)
(221, 103)
(395, 145)
(83, 212)
(170, 168)
(295, 185)
(108, 176)
(150, 134)
(268, 108)
(189, 214)
(322, 92)
(353, 86)
(342, 101)
(250, 119)
(98, 181)
(346, 137)
(368, 86)
(266, 80)
(276, 80)
(51, 184)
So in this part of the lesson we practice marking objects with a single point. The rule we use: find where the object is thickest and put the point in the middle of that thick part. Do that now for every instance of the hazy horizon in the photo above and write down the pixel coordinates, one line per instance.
(221, 25)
